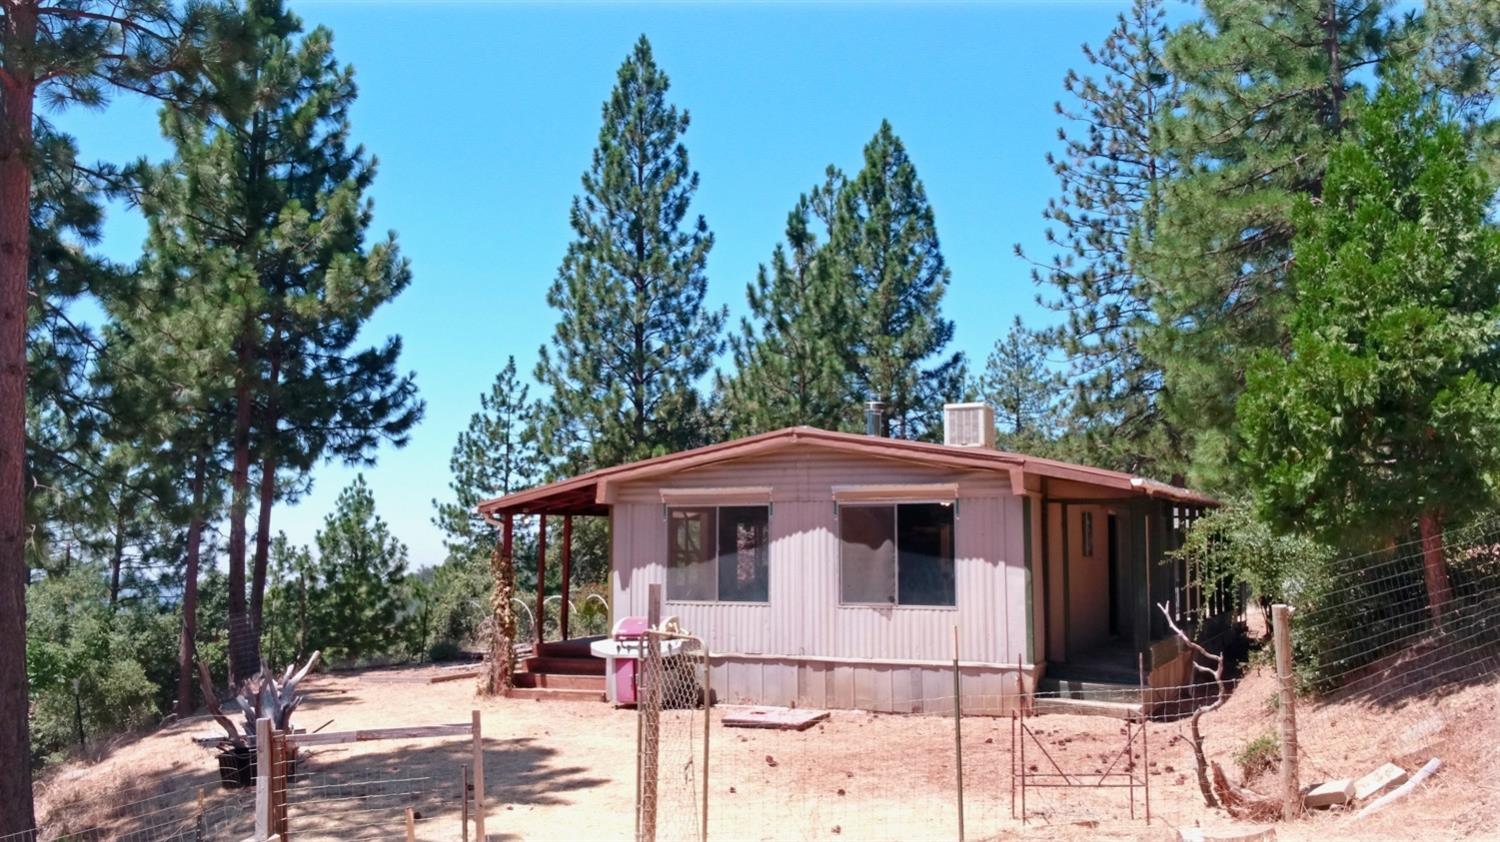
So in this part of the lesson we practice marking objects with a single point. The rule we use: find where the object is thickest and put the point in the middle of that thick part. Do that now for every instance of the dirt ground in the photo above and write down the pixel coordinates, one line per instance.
(566, 770)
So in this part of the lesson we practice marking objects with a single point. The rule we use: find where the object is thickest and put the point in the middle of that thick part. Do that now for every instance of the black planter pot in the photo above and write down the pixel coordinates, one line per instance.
(237, 767)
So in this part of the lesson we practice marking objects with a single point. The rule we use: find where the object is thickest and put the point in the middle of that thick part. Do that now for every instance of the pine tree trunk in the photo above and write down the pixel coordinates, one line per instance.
(1434, 567)
(16, 101)
(267, 488)
(244, 657)
(262, 542)
(187, 648)
(117, 558)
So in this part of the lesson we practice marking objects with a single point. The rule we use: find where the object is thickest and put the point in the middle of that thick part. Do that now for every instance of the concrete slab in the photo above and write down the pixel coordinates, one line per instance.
(784, 719)
(1381, 780)
(1329, 793)
(1227, 834)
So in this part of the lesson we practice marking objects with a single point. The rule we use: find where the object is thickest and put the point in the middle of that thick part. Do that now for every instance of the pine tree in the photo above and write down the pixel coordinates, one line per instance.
(1026, 394)
(788, 361)
(1267, 87)
(633, 337)
(1385, 408)
(1460, 57)
(266, 200)
(73, 51)
(884, 247)
(1111, 175)
(355, 601)
(496, 455)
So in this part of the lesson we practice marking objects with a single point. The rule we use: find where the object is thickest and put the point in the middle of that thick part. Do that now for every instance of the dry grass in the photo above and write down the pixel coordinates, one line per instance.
(566, 771)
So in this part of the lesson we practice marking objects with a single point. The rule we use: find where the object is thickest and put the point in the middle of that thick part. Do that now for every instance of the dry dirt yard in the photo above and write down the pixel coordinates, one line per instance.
(558, 770)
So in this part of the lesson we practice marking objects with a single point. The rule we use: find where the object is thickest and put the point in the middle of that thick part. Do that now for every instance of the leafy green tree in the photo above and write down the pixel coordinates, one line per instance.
(1267, 92)
(633, 336)
(1111, 173)
(884, 245)
(496, 455)
(355, 600)
(788, 360)
(1026, 393)
(87, 679)
(1385, 408)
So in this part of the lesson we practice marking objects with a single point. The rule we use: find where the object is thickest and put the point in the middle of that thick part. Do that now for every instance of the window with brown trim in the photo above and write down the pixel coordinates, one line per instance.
(718, 553)
(896, 554)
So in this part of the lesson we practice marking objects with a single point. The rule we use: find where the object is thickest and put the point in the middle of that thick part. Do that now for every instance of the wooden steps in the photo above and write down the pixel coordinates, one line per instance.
(561, 671)
(565, 666)
(549, 694)
(1086, 707)
(560, 681)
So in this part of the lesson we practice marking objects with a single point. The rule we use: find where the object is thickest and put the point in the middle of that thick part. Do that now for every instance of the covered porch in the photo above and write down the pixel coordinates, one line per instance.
(559, 665)
(1106, 572)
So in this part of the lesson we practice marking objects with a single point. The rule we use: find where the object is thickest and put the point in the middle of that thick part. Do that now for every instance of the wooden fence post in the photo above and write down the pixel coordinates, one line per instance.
(479, 834)
(264, 766)
(1281, 636)
(463, 794)
(648, 708)
(411, 826)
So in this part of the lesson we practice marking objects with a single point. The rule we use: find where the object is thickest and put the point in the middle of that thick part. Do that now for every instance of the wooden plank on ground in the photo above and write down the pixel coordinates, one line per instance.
(782, 719)
(455, 675)
(415, 732)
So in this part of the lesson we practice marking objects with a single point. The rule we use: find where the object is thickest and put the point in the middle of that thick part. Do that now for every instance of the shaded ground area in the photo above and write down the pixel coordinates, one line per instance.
(567, 771)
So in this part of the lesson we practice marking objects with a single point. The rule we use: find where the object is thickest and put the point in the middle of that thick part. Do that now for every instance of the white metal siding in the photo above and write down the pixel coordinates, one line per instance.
(803, 617)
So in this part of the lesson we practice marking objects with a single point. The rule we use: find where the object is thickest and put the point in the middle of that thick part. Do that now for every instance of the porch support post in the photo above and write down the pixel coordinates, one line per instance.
(567, 573)
(541, 580)
(499, 677)
(1140, 529)
(1067, 586)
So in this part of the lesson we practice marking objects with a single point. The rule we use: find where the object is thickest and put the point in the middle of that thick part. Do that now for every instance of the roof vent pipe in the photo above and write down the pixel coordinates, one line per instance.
(875, 418)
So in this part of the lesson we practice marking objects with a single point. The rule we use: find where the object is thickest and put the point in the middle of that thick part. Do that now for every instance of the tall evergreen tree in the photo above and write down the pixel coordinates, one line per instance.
(788, 361)
(64, 51)
(633, 336)
(269, 202)
(1111, 175)
(355, 599)
(1385, 408)
(884, 245)
(496, 455)
(1026, 393)
(1267, 92)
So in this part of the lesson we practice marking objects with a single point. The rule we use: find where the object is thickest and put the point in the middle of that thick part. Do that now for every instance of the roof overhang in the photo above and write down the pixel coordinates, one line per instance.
(595, 492)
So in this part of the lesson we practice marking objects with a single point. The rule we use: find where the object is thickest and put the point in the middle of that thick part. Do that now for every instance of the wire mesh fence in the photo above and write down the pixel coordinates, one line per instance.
(675, 694)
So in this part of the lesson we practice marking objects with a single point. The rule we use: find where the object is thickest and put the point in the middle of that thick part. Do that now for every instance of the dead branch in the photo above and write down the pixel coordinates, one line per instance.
(1242, 803)
(1196, 735)
(212, 701)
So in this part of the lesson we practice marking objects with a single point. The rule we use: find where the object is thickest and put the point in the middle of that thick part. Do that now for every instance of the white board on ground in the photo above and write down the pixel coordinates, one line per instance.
(785, 719)
(1330, 793)
(1385, 778)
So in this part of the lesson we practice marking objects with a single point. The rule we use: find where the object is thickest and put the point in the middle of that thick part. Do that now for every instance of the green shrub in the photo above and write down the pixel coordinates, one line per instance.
(444, 650)
(1260, 755)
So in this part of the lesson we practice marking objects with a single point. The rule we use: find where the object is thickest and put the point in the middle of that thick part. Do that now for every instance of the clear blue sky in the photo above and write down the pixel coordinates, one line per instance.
(483, 116)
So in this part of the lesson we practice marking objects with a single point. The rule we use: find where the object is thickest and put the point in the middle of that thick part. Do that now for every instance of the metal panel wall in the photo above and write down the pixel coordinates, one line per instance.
(803, 617)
